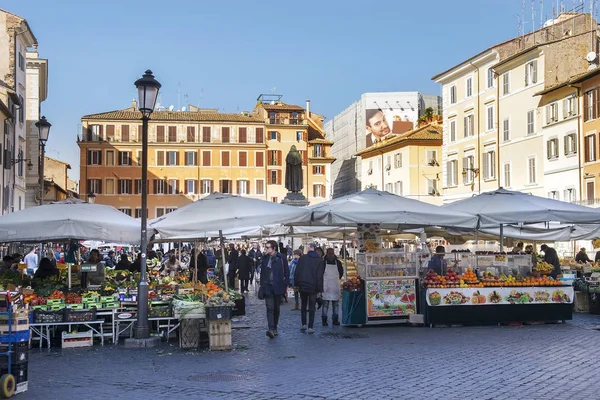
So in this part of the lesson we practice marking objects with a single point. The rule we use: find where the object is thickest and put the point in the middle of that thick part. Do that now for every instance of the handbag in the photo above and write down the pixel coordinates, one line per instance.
(261, 293)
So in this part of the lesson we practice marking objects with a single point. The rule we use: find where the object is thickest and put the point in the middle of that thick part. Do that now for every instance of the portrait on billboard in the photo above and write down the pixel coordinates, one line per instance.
(380, 124)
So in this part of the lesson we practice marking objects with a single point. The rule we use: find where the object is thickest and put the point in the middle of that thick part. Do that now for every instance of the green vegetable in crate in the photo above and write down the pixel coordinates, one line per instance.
(220, 299)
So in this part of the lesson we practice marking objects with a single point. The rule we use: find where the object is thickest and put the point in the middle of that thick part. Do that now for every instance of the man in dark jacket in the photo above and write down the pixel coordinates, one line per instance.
(255, 256)
(274, 273)
(551, 257)
(123, 263)
(308, 277)
(232, 261)
(582, 256)
(243, 271)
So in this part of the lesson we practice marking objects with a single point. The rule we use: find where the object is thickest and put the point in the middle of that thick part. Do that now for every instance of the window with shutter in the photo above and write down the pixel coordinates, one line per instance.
(224, 134)
(534, 71)
(125, 133)
(531, 171)
(272, 177)
(304, 158)
(243, 135)
(110, 132)
(191, 134)
(466, 170)
(190, 158)
(485, 168)
(160, 158)
(206, 158)
(452, 131)
(160, 134)
(279, 156)
(506, 129)
(449, 174)
(243, 159)
(172, 134)
(260, 135)
(225, 159)
(206, 134)
(260, 187)
(278, 177)
(590, 191)
(260, 159)
(492, 172)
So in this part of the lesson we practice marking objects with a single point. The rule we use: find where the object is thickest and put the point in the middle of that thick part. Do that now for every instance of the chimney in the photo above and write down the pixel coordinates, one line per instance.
(307, 108)
(134, 104)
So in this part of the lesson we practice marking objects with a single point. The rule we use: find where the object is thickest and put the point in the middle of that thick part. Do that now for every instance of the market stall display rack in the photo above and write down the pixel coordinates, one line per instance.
(391, 285)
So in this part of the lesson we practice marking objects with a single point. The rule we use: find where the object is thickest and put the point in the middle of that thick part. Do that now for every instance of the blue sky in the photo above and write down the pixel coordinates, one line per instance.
(225, 53)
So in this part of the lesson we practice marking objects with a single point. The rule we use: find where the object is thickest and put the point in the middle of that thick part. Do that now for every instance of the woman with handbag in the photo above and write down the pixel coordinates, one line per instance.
(274, 274)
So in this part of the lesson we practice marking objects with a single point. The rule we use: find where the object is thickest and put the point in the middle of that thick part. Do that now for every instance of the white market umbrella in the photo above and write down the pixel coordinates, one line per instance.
(70, 219)
(389, 210)
(225, 212)
(505, 207)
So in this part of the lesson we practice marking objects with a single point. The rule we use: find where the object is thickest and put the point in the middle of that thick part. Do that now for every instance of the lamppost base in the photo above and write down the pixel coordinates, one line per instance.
(133, 343)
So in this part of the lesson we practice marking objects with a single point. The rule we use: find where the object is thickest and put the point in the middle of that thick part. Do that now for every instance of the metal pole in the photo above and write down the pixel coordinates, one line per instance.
(142, 329)
(501, 237)
(196, 254)
(345, 261)
(223, 259)
(42, 155)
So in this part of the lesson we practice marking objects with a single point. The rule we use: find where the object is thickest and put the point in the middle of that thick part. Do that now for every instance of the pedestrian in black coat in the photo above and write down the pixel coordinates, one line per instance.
(244, 265)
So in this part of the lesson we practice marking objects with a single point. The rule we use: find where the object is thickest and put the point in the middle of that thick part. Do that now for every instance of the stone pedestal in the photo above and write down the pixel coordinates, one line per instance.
(295, 199)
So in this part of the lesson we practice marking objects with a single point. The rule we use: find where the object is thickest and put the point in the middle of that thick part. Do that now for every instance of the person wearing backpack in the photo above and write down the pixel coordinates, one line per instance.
(308, 277)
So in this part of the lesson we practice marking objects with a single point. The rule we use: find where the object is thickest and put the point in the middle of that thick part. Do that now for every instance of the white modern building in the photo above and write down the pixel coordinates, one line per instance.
(349, 134)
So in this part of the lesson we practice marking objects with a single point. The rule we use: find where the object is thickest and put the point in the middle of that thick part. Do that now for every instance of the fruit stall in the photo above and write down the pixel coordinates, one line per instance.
(494, 297)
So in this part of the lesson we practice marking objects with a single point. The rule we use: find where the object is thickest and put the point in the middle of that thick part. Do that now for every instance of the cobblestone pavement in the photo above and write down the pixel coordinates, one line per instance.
(387, 362)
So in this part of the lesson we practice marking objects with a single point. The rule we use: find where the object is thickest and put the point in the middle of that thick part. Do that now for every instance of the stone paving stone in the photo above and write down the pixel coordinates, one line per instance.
(396, 362)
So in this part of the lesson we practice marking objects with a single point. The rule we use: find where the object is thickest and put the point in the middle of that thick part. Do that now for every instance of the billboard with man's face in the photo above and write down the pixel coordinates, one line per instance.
(381, 123)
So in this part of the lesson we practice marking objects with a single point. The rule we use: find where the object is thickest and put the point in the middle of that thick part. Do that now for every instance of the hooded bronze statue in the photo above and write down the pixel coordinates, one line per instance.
(293, 171)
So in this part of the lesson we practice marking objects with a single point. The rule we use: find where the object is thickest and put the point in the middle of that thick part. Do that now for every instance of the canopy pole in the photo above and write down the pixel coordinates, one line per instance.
(501, 237)
(196, 254)
(223, 259)
(344, 251)
(69, 274)
(180, 252)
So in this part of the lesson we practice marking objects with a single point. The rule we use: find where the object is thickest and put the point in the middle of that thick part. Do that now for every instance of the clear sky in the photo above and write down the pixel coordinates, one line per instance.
(225, 53)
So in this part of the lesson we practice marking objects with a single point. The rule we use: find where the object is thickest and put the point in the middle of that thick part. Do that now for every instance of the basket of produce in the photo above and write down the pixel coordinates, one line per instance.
(544, 268)
(44, 317)
(80, 315)
(188, 307)
(159, 312)
(219, 306)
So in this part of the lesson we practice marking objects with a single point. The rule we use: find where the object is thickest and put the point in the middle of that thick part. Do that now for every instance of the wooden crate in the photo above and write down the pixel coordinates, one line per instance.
(80, 339)
(219, 335)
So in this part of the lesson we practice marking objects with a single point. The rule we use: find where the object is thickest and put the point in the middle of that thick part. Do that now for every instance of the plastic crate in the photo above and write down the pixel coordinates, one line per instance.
(18, 324)
(106, 299)
(80, 315)
(53, 302)
(79, 339)
(219, 313)
(190, 333)
(18, 371)
(15, 337)
(43, 317)
(93, 305)
(56, 307)
(90, 299)
(19, 354)
(74, 306)
(159, 311)
(111, 304)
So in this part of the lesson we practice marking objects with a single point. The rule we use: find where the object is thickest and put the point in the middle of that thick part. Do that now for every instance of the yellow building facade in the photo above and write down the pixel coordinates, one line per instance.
(191, 154)
(407, 164)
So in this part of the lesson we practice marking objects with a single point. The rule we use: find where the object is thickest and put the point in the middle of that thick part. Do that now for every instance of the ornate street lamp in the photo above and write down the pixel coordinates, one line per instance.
(148, 88)
(44, 128)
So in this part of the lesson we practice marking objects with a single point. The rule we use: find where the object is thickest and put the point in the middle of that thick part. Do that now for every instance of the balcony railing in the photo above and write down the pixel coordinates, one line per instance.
(588, 202)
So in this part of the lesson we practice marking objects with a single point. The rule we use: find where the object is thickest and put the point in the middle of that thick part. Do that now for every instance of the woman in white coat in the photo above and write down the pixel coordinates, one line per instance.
(332, 274)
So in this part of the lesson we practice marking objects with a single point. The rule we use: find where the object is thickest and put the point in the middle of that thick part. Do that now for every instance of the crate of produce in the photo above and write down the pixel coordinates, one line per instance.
(90, 299)
(18, 324)
(159, 311)
(106, 299)
(74, 306)
(183, 291)
(19, 354)
(15, 337)
(78, 339)
(97, 305)
(215, 313)
(111, 304)
(43, 308)
(220, 335)
(44, 317)
(52, 302)
(80, 315)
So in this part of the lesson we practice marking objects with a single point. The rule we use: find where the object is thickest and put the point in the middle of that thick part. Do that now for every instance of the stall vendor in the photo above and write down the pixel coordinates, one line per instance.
(582, 256)
(551, 257)
(97, 277)
(437, 262)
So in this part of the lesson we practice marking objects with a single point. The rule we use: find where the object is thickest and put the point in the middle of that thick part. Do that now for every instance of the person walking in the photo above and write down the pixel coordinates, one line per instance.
(295, 257)
(244, 270)
(31, 260)
(273, 280)
(308, 278)
(255, 255)
(232, 260)
(333, 272)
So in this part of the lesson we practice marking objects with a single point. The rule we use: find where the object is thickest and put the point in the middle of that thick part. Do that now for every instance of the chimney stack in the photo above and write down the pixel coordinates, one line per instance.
(307, 108)
(134, 104)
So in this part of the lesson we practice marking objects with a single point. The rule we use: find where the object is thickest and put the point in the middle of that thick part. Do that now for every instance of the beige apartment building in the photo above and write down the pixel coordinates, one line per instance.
(492, 96)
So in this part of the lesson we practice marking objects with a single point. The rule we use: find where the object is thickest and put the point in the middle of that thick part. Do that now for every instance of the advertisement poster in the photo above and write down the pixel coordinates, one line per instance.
(491, 296)
(382, 122)
(369, 238)
(391, 298)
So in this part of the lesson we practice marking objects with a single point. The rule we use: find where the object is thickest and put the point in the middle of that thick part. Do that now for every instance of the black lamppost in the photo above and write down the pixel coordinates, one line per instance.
(44, 127)
(147, 88)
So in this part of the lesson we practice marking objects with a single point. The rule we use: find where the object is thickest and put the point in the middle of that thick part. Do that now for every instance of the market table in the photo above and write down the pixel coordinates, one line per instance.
(130, 322)
(38, 329)
(498, 304)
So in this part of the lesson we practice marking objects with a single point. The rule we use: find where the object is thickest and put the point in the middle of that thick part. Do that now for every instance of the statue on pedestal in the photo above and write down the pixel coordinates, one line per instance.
(293, 179)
